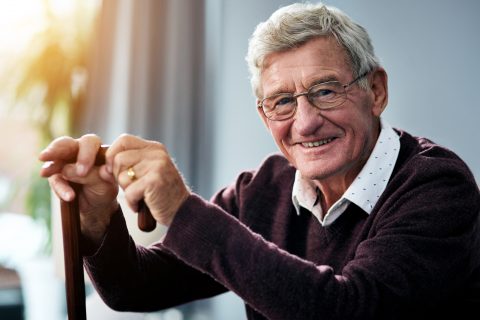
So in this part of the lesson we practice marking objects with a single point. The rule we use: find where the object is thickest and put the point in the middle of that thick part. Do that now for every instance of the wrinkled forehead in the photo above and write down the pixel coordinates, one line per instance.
(307, 60)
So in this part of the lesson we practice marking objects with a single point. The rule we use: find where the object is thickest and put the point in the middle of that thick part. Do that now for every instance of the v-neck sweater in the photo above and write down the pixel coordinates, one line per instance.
(416, 256)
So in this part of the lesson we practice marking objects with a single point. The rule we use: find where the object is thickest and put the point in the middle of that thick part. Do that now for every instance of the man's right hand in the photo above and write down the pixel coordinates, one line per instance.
(72, 160)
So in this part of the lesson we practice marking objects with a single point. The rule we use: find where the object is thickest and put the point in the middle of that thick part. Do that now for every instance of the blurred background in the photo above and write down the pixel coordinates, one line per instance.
(174, 71)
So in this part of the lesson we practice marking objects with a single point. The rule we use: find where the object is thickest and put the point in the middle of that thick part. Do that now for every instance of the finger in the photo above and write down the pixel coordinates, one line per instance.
(61, 187)
(87, 151)
(133, 165)
(134, 194)
(124, 160)
(152, 153)
(123, 143)
(105, 175)
(60, 149)
(125, 177)
(70, 173)
(50, 168)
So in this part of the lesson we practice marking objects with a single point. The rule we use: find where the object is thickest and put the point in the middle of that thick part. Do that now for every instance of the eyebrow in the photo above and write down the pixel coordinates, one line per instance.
(323, 79)
(328, 78)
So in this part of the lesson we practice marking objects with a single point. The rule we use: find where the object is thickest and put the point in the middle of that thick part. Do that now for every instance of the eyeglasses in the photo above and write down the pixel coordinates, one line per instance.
(326, 95)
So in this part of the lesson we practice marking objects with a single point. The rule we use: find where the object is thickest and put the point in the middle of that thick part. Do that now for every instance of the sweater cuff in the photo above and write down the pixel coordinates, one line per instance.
(115, 237)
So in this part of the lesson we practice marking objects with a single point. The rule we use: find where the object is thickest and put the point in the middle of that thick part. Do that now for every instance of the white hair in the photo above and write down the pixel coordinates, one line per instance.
(291, 26)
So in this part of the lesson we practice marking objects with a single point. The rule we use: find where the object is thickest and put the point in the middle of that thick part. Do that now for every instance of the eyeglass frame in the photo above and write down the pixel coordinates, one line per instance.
(306, 93)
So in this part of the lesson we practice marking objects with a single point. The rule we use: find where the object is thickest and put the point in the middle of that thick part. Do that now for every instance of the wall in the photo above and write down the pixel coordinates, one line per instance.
(430, 50)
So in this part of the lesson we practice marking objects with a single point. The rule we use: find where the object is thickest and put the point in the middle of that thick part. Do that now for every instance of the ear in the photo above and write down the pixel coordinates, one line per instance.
(379, 90)
(262, 115)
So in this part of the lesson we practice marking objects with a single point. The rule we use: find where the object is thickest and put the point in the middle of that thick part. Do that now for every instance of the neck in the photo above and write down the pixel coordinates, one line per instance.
(328, 196)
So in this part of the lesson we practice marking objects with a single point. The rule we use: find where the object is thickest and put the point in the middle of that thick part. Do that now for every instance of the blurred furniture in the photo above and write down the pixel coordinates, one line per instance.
(22, 241)
(11, 302)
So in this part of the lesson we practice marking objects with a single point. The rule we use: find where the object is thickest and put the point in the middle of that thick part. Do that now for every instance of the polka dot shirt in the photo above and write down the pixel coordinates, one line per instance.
(366, 188)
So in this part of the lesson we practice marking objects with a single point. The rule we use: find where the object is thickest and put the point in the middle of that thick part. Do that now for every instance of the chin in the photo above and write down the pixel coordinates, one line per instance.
(313, 173)
(318, 170)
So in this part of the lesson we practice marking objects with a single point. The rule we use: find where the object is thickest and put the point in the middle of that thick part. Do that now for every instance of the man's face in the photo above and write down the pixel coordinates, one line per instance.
(322, 144)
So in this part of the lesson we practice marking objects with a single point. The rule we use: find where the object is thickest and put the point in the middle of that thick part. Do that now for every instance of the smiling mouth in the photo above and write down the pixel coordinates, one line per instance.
(318, 143)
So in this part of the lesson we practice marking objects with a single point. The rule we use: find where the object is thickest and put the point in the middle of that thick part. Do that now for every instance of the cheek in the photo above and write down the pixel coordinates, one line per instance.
(364, 136)
(279, 130)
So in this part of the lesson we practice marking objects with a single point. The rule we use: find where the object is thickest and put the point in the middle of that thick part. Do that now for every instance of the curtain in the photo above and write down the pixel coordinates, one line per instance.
(146, 76)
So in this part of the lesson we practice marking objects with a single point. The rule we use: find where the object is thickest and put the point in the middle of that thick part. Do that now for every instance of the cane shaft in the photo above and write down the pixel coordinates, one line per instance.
(74, 279)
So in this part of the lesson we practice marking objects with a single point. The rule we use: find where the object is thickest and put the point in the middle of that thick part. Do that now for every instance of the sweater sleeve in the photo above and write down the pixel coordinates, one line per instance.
(418, 251)
(129, 277)
(270, 280)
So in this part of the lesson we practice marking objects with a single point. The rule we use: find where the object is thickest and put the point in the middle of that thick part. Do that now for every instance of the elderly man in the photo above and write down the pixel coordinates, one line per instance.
(355, 220)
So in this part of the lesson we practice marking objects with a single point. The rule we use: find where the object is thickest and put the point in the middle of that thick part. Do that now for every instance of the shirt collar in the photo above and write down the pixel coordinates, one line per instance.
(366, 187)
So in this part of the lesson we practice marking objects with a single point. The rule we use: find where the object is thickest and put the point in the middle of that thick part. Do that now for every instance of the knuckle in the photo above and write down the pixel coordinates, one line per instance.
(161, 147)
(126, 137)
(153, 178)
(157, 144)
(120, 158)
(61, 142)
(90, 138)
(158, 168)
(63, 138)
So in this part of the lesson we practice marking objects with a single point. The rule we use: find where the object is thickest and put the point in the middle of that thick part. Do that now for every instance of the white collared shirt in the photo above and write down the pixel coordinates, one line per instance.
(366, 187)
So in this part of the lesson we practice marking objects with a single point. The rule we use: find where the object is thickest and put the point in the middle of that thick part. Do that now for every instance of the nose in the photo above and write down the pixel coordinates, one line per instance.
(308, 118)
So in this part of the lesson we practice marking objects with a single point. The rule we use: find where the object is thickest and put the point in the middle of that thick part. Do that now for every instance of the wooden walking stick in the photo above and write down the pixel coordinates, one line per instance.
(74, 279)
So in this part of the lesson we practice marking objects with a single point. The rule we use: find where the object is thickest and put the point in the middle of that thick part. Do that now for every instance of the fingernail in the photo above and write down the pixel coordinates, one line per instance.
(47, 164)
(43, 153)
(81, 169)
(67, 196)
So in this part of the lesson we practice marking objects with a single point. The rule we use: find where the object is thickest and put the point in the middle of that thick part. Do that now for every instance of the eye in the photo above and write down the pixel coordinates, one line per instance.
(283, 100)
(321, 93)
(325, 91)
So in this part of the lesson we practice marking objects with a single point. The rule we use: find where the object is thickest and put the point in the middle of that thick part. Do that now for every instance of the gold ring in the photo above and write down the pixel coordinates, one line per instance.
(131, 173)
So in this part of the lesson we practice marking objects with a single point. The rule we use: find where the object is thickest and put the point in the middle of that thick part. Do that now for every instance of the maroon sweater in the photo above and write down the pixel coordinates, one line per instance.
(417, 255)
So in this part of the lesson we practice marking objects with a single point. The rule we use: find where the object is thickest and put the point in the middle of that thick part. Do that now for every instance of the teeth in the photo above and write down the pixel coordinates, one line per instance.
(316, 143)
